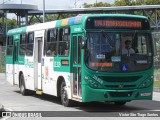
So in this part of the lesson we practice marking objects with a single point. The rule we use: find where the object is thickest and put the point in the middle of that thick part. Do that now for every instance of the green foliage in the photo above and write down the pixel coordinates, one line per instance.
(135, 2)
(34, 20)
(2, 69)
(11, 23)
(124, 2)
(157, 84)
(98, 4)
(2, 59)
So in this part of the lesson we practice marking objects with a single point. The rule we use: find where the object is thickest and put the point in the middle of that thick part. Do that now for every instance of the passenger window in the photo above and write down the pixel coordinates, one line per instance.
(29, 44)
(64, 41)
(22, 49)
(51, 44)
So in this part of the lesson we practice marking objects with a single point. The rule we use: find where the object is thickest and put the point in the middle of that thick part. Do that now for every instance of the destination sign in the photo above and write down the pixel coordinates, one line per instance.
(117, 23)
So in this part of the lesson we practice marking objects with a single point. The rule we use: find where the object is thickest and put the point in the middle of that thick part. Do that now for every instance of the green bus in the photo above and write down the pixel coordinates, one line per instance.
(83, 58)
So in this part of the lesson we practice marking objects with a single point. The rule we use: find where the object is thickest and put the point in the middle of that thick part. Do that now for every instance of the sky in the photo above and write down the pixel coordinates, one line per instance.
(55, 4)
(52, 4)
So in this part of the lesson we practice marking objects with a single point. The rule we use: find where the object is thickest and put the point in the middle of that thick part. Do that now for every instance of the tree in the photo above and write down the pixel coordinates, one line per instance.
(124, 3)
(11, 23)
(135, 2)
(98, 4)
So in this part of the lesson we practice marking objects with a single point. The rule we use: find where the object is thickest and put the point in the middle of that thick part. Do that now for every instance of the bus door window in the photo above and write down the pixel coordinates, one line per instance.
(15, 51)
(77, 44)
(79, 62)
(74, 49)
(64, 41)
(39, 50)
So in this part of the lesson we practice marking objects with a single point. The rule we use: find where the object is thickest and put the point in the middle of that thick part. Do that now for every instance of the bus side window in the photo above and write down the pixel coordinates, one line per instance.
(9, 45)
(22, 49)
(51, 43)
(64, 41)
(29, 44)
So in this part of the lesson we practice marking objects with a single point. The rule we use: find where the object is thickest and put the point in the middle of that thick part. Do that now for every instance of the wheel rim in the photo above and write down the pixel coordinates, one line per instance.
(64, 96)
(22, 88)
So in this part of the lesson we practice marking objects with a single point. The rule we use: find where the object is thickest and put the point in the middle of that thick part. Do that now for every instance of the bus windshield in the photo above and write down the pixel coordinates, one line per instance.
(118, 51)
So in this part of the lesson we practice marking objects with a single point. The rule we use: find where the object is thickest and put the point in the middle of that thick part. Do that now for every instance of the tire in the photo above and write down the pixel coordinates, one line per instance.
(64, 96)
(23, 89)
(120, 103)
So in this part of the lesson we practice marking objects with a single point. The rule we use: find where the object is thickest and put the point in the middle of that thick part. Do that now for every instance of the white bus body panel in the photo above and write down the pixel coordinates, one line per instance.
(9, 73)
(16, 74)
(28, 72)
(50, 77)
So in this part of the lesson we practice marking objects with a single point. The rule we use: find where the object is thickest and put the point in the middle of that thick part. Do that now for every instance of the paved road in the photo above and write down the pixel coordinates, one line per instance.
(12, 100)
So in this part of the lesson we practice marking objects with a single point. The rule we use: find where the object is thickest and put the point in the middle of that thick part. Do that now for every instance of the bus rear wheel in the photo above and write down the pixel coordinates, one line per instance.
(64, 95)
(120, 103)
(23, 89)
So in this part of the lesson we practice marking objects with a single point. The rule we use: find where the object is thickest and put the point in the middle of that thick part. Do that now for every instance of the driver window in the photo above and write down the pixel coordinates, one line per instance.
(141, 46)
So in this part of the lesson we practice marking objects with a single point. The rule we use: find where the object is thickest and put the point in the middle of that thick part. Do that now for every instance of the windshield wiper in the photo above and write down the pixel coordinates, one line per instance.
(106, 35)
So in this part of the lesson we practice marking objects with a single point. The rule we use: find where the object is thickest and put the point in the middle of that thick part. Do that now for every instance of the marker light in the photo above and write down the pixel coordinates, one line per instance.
(90, 81)
(95, 85)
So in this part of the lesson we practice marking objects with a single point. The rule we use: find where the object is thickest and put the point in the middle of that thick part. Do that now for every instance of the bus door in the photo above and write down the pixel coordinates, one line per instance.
(77, 40)
(39, 38)
(15, 58)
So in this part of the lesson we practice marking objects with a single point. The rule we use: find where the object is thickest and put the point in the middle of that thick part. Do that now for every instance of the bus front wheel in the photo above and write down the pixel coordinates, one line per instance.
(64, 95)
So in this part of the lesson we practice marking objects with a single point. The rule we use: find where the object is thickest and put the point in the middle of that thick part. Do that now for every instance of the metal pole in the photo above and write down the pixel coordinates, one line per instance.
(75, 3)
(43, 10)
(96, 3)
(6, 22)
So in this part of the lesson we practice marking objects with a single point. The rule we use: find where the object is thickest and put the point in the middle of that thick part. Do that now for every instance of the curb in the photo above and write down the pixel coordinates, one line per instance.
(156, 89)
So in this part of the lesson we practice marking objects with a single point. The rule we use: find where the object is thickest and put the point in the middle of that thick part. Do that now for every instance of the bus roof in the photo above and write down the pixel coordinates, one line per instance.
(66, 22)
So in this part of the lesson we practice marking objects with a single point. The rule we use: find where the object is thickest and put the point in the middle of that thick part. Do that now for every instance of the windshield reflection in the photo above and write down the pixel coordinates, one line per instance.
(118, 52)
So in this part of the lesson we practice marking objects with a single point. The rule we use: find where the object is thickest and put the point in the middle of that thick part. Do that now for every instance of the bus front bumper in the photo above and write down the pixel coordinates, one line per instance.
(89, 94)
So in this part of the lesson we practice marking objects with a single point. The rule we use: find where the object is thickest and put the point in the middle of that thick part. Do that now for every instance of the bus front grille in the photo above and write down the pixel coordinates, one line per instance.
(120, 94)
(120, 79)
(119, 86)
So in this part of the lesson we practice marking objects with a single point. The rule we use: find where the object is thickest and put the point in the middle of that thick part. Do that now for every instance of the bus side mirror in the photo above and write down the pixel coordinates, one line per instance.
(84, 45)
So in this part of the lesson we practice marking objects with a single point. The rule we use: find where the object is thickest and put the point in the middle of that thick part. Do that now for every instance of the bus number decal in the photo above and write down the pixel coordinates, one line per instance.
(98, 79)
(57, 64)
(28, 63)
(77, 29)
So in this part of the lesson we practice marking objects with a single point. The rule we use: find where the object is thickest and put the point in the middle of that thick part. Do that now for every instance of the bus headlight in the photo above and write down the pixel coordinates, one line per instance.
(91, 82)
(96, 85)
(146, 83)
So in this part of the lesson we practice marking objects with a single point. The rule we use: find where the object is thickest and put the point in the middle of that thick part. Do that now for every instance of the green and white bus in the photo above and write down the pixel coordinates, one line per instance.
(80, 58)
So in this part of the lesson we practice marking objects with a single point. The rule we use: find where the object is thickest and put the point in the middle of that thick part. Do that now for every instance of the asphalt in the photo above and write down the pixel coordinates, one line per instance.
(156, 94)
